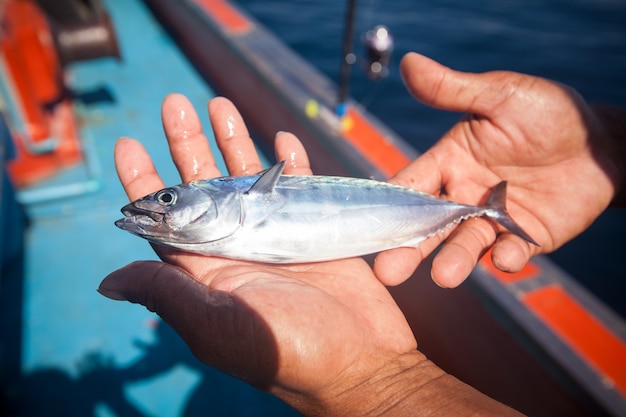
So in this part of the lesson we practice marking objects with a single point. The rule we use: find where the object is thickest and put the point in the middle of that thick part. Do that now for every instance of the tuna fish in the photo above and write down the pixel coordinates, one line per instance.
(277, 218)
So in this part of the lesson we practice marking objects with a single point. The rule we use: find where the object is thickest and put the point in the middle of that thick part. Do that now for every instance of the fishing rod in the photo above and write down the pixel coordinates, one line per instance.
(378, 44)
(347, 58)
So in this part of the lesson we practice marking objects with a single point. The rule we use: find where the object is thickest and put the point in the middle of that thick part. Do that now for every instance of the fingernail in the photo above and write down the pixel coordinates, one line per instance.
(111, 293)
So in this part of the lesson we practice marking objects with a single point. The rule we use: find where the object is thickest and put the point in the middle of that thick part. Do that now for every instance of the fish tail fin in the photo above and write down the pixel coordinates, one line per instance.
(496, 204)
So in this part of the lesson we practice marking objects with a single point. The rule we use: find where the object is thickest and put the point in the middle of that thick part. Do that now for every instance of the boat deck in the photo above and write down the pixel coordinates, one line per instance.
(66, 347)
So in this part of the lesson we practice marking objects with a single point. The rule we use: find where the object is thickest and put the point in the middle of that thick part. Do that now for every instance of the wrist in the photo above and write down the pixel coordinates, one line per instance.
(407, 385)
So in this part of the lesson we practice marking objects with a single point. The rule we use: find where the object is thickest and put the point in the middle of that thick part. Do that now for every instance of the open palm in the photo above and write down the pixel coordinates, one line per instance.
(538, 135)
(288, 329)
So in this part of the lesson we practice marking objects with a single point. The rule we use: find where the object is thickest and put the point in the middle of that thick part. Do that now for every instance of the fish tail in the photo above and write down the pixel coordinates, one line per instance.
(496, 204)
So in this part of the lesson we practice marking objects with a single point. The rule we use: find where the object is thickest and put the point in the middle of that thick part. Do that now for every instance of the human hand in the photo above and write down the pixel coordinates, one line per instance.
(538, 135)
(308, 333)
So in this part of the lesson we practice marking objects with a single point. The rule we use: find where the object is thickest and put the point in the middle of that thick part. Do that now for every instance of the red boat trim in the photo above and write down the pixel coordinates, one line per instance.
(226, 15)
(582, 331)
(372, 144)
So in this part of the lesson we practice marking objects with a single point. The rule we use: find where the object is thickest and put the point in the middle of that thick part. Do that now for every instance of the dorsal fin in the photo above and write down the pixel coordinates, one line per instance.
(268, 180)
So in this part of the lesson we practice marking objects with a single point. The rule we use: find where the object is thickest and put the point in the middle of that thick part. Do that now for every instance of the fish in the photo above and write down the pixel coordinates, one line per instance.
(288, 219)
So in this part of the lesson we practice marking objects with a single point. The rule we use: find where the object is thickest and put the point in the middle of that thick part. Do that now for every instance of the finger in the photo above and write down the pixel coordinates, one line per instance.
(289, 148)
(135, 169)
(233, 138)
(423, 174)
(510, 253)
(441, 87)
(393, 267)
(189, 146)
(458, 257)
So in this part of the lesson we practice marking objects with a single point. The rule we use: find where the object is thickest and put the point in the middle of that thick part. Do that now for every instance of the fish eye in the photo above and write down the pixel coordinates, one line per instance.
(166, 197)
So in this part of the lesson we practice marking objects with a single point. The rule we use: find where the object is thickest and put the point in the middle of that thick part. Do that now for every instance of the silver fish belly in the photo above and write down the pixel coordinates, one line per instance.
(278, 218)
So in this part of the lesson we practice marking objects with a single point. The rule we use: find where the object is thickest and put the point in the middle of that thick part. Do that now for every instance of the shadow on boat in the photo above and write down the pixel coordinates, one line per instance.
(103, 385)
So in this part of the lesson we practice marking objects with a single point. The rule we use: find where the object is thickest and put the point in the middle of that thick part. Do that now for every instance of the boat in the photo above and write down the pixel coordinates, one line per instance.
(535, 340)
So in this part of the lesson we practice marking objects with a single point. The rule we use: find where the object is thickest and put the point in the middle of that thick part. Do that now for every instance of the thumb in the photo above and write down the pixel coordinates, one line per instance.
(156, 285)
(220, 329)
(441, 87)
(173, 294)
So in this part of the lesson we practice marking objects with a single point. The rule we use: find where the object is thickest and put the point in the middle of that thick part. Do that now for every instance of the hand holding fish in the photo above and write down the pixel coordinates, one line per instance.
(561, 158)
(273, 325)
(325, 337)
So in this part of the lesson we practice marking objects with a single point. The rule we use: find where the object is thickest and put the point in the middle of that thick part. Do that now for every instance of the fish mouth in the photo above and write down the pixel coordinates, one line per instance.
(133, 210)
(138, 220)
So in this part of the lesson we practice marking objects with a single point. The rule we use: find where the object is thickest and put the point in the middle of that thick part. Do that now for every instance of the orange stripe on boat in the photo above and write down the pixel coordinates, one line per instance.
(32, 66)
(27, 169)
(530, 270)
(583, 332)
(374, 146)
(226, 15)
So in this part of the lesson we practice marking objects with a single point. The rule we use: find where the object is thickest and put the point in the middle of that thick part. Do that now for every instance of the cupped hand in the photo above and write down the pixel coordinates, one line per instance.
(300, 331)
(536, 134)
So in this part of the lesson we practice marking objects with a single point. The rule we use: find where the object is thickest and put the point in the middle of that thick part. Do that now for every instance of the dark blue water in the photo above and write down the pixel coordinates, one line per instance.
(578, 42)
